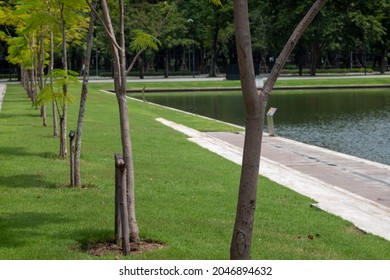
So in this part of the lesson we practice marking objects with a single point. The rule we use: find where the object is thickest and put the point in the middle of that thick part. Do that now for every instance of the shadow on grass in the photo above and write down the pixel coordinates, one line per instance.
(18, 229)
(87, 237)
(12, 116)
(26, 181)
(13, 151)
(21, 151)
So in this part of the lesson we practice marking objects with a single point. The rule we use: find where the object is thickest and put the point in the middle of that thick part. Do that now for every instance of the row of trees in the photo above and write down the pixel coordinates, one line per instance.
(36, 29)
(201, 34)
(344, 35)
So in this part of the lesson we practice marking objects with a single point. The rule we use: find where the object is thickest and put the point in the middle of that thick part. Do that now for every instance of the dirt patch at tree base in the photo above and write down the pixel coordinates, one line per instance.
(110, 248)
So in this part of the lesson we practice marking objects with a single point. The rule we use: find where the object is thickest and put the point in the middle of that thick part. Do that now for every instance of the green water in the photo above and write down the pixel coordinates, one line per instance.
(355, 122)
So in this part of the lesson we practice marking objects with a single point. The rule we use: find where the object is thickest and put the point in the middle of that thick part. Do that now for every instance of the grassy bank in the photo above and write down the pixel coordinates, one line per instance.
(186, 196)
(307, 81)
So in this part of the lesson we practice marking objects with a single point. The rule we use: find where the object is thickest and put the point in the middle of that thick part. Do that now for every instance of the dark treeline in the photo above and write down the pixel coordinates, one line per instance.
(199, 37)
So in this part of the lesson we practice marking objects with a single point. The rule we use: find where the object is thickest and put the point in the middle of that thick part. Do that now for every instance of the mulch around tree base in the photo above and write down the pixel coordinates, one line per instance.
(110, 248)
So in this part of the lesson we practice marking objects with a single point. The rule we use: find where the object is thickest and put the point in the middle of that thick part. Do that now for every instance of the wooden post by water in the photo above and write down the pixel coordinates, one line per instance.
(122, 230)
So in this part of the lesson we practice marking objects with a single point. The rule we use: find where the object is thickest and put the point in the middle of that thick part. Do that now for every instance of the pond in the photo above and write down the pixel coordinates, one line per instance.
(355, 122)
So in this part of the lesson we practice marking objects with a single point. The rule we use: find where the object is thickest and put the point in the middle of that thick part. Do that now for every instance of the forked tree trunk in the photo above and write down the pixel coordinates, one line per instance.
(120, 80)
(255, 103)
(83, 99)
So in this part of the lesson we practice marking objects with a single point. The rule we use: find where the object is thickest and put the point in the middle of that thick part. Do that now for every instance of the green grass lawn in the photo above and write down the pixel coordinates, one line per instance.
(185, 195)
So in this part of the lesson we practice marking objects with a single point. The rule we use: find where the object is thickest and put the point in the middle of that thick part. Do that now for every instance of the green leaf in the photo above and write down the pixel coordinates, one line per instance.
(142, 41)
(54, 91)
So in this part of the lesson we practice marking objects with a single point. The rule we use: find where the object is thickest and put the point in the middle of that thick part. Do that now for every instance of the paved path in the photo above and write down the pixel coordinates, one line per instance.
(352, 188)
(368, 179)
(3, 88)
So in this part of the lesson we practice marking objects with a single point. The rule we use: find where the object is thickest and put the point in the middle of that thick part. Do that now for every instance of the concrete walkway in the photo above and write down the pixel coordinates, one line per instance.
(352, 188)
(3, 88)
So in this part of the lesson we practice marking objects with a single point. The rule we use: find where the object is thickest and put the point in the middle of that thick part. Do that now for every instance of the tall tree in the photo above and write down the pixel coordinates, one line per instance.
(118, 50)
(255, 104)
(141, 41)
(83, 99)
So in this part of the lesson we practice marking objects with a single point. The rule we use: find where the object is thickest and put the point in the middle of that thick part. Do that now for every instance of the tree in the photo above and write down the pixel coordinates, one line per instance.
(76, 176)
(218, 18)
(34, 22)
(141, 41)
(255, 104)
(118, 50)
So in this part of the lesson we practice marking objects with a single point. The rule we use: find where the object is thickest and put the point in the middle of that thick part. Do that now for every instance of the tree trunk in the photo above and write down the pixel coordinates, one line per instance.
(32, 85)
(383, 62)
(315, 57)
(141, 67)
(214, 56)
(128, 158)
(255, 103)
(83, 99)
(242, 233)
(166, 63)
(63, 117)
(41, 74)
(53, 104)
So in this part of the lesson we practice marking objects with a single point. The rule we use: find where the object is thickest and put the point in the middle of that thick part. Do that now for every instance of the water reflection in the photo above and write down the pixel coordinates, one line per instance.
(351, 122)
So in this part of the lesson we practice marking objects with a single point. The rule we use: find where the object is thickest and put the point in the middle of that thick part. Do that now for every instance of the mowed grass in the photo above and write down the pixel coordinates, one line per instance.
(185, 195)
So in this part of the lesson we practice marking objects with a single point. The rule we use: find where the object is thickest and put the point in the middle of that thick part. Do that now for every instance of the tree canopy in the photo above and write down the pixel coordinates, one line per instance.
(206, 27)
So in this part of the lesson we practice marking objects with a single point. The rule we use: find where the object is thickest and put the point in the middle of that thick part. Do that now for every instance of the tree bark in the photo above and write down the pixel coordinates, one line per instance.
(53, 104)
(41, 74)
(83, 98)
(383, 62)
(315, 57)
(214, 57)
(255, 104)
(63, 117)
(166, 63)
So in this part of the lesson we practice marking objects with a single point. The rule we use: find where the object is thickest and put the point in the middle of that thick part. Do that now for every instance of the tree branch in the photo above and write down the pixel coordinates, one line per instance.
(108, 31)
(289, 47)
(162, 25)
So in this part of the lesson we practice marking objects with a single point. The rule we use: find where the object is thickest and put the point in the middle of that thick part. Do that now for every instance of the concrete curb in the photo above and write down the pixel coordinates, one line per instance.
(3, 89)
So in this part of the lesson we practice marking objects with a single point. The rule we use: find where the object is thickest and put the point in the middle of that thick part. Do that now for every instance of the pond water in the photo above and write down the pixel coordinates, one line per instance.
(355, 122)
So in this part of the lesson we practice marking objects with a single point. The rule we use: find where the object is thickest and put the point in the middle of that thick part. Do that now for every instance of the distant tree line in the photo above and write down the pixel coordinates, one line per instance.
(199, 37)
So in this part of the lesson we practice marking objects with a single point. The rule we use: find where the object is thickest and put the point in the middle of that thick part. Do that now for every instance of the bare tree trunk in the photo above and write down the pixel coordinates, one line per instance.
(63, 117)
(255, 103)
(41, 62)
(383, 62)
(213, 66)
(83, 98)
(32, 85)
(315, 57)
(53, 104)
(166, 63)
(125, 130)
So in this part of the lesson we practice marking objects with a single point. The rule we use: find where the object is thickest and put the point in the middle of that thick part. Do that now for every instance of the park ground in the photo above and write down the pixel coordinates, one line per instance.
(185, 195)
